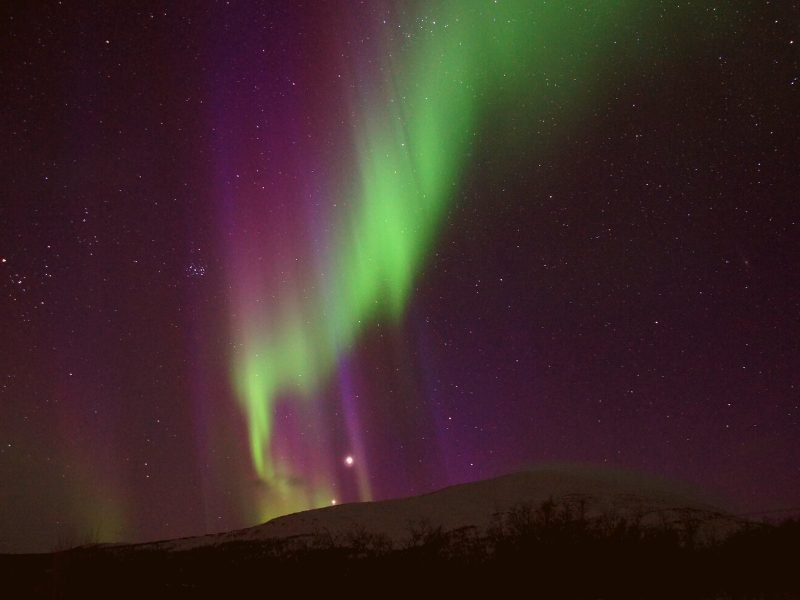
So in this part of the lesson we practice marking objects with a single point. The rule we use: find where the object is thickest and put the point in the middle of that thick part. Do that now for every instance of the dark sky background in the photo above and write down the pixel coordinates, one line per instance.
(615, 285)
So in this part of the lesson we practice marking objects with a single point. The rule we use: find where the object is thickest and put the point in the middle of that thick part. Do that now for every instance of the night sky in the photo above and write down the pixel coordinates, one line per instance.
(259, 257)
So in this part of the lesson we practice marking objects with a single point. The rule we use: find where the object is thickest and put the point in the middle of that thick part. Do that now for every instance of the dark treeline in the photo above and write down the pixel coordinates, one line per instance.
(552, 551)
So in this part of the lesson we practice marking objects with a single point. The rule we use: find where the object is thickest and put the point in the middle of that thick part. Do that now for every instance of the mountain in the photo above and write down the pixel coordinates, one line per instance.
(558, 532)
(589, 493)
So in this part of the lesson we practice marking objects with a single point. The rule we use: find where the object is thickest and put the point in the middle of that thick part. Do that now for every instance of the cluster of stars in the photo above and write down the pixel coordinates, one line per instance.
(195, 270)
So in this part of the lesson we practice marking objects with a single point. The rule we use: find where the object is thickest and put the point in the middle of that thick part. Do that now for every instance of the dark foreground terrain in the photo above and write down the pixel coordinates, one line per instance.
(548, 551)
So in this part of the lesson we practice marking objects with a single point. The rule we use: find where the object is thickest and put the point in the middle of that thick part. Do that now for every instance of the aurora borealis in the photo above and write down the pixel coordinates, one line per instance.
(263, 258)
(412, 127)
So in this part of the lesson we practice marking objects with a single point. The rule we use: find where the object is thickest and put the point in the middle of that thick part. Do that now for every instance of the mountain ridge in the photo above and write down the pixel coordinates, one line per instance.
(594, 492)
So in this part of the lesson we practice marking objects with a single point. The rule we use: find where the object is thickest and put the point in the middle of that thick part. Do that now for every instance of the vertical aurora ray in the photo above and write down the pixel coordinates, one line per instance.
(415, 120)
(97, 506)
(353, 428)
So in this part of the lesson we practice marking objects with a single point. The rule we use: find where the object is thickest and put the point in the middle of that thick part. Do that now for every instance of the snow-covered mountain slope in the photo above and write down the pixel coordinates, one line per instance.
(591, 492)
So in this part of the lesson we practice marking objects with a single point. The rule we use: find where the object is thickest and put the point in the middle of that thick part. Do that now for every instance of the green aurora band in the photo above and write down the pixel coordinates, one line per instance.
(469, 62)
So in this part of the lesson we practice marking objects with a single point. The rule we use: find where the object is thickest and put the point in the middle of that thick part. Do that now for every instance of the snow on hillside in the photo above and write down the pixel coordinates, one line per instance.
(597, 492)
